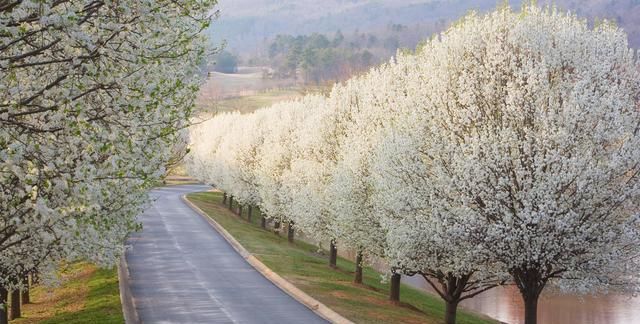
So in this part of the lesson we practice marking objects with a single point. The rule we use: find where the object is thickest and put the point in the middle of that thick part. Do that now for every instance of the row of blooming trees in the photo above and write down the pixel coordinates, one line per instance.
(94, 94)
(504, 151)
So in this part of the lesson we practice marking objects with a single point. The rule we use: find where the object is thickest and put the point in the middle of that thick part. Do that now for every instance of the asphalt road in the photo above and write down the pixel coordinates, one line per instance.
(183, 271)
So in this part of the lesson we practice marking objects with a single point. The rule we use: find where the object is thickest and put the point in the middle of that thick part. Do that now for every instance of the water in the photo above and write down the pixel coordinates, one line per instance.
(505, 304)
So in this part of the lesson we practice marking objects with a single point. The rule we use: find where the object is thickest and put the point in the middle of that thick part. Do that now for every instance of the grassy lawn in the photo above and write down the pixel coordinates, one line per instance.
(87, 294)
(303, 265)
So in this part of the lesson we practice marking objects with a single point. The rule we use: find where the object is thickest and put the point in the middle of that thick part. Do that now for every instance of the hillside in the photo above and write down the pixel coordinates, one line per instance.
(626, 13)
(245, 24)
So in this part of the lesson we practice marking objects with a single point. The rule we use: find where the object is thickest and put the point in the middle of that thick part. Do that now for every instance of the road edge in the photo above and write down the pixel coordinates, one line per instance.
(126, 297)
(313, 304)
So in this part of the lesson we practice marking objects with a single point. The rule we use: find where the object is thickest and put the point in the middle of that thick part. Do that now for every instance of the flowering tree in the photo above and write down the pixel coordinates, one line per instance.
(250, 137)
(305, 180)
(532, 137)
(275, 159)
(206, 139)
(444, 249)
(316, 155)
(94, 94)
(350, 190)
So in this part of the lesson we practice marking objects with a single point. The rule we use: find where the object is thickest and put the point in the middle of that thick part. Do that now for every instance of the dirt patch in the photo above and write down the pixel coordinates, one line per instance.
(46, 302)
(367, 287)
(339, 294)
(377, 301)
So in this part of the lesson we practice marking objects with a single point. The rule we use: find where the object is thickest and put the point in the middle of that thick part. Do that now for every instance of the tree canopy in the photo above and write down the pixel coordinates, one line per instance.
(226, 63)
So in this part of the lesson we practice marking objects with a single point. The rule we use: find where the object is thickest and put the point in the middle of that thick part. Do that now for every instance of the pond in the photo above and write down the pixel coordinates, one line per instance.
(505, 304)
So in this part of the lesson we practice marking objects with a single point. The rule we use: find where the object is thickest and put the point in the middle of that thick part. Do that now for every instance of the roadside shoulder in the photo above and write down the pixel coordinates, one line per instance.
(126, 297)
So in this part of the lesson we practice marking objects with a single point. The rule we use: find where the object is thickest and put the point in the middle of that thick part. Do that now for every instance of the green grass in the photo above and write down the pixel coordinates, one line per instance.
(305, 266)
(87, 295)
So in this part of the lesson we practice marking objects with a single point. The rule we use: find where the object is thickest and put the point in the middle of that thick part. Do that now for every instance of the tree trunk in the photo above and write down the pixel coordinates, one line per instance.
(25, 293)
(249, 213)
(239, 210)
(26, 299)
(231, 203)
(224, 198)
(394, 291)
(333, 254)
(450, 315)
(531, 310)
(4, 310)
(358, 275)
(263, 222)
(530, 282)
(290, 232)
(15, 305)
(453, 288)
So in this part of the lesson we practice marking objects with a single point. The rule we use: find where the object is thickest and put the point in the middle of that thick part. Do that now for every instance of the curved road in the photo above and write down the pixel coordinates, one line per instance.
(183, 271)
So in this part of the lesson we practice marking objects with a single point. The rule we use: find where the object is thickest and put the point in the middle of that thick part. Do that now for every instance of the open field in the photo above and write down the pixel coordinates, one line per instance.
(307, 267)
(247, 81)
(86, 294)
(247, 91)
(247, 104)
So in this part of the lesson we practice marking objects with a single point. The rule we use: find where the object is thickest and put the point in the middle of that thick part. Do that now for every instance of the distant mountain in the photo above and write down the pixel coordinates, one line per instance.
(246, 23)
(243, 23)
(626, 13)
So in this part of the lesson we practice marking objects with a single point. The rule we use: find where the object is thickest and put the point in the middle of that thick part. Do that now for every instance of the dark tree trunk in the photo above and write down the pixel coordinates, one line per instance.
(25, 293)
(263, 222)
(531, 310)
(239, 210)
(26, 299)
(333, 254)
(358, 275)
(224, 198)
(290, 232)
(394, 291)
(530, 282)
(452, 288)
(15, 305)
(249, 212)
(231, 203)
(450, 315)
(4, 310)
(276, 224)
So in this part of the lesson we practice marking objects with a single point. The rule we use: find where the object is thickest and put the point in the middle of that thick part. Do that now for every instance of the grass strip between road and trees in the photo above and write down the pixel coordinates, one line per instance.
(306, 266)
(86, 294)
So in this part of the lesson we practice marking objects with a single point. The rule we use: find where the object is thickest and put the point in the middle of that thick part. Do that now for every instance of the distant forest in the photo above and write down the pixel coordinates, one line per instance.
(318, 58)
